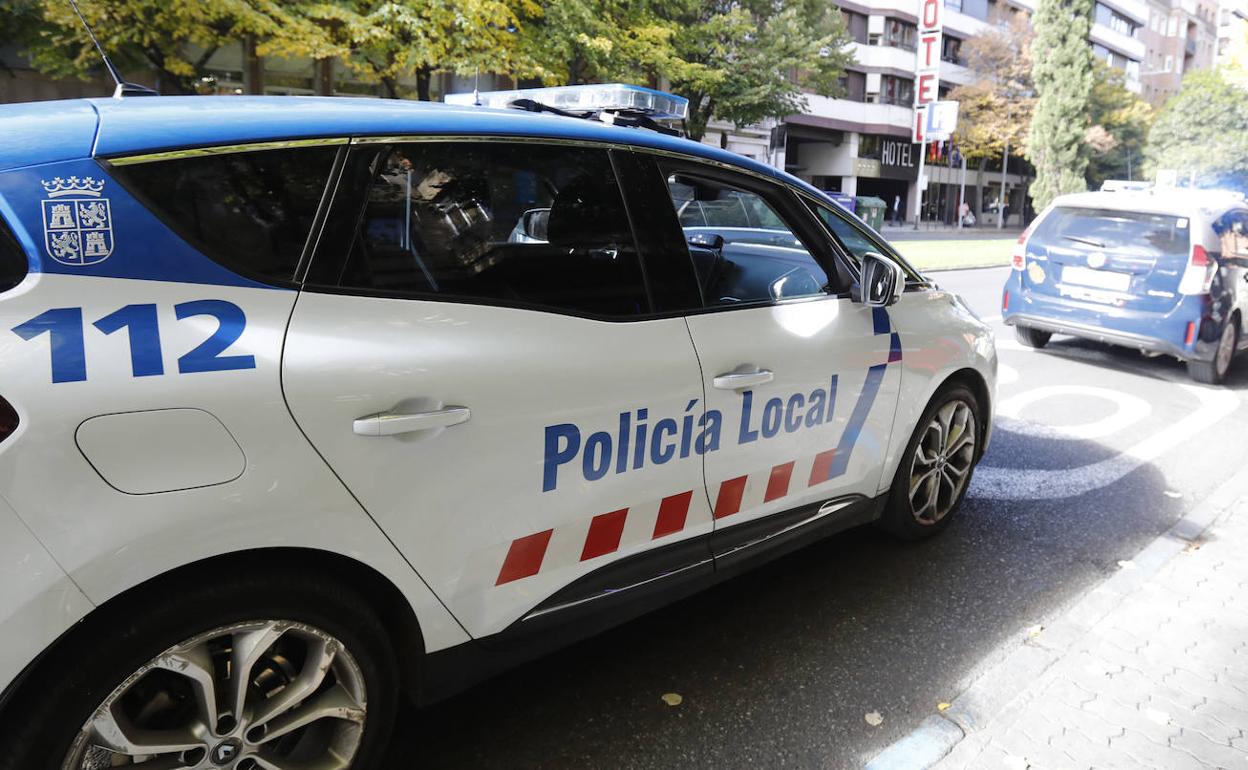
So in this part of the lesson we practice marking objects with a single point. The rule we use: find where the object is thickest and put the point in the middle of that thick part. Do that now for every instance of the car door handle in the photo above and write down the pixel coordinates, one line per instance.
(389, 424)
(738, 380)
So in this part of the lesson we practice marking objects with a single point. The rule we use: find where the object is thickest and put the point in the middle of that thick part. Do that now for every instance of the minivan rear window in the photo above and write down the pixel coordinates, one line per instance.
(13, 263)
(1129, 232)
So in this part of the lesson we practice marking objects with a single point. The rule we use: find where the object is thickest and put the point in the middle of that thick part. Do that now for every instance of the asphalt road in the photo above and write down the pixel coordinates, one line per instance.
(1098, 451)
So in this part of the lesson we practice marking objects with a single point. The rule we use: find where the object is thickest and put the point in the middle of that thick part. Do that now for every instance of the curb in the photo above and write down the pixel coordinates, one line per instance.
(1007, 679)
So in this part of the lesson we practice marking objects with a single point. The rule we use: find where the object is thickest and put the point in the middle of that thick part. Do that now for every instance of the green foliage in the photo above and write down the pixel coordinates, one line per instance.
(1062, 72)
(1203, 129)
(1120, 122)
(996, 107)
(173, 39)
(386, 41)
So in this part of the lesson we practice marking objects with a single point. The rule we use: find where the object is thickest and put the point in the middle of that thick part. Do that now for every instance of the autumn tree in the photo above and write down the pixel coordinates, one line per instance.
(170, 39)
(1119, 127)
(1062, 72)
(995, 109)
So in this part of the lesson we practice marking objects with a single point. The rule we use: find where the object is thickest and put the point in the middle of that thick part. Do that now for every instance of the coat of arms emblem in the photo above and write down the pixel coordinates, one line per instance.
(77, 222)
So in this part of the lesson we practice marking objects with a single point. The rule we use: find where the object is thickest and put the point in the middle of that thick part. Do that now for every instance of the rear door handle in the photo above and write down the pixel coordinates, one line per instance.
(739, 380)
(390, 424)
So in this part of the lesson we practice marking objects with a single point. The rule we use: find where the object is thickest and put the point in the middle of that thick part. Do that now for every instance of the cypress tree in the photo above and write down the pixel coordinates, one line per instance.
(1062, 73)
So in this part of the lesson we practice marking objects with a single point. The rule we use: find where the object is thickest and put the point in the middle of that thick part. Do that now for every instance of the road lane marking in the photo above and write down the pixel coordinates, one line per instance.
(993, 483)
(1131, 409)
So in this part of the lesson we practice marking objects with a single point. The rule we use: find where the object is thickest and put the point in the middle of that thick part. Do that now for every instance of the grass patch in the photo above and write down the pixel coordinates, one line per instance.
(950, 255)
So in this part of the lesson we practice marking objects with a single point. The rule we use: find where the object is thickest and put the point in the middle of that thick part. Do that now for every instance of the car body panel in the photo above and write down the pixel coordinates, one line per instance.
(303, 485)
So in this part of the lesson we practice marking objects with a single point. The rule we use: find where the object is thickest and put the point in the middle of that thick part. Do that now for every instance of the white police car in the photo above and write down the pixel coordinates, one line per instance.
(304, 400)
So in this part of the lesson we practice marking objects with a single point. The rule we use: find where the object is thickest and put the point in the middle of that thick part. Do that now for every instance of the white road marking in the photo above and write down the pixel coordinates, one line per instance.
(1006, 374)
(1030, 484)
(1131, 409)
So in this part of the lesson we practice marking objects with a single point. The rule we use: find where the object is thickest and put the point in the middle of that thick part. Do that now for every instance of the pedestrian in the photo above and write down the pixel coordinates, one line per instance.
(1005, 213)
(896, 210)
(964, 214)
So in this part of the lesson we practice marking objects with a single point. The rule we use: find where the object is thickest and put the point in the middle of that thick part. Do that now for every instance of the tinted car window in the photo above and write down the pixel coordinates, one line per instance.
(741, 247)
(511, 223)
(13, 262)
(1125, 232)
(854, 240)
(249, 211)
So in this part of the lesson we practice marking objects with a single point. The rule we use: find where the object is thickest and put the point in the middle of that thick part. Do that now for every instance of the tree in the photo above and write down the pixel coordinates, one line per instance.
(995, 109)
(1120, 122)
(385, 42)
(746, 60)
(1203, 130)
(1062, 72)
(172, 39)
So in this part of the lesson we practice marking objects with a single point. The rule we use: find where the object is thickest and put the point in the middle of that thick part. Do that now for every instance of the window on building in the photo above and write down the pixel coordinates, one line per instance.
(248, 211)
(895, 90)
(508, 223)
(855, 86)
(977, 9)
(899, 34)
(951, 50)
(954, 5)
(856, 23)
(1108, 17)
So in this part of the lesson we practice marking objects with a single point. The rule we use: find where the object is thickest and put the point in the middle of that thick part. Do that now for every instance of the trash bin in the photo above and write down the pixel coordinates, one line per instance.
(871, 210)
(847, 202)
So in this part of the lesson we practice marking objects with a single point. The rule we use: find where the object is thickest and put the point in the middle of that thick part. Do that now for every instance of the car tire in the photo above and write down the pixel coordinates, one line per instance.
(935, 454)
(146, 657)
(1032, 338)
(1213, 372)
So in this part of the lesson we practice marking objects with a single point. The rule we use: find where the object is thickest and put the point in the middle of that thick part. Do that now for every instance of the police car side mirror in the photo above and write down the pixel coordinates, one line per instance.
(712, 241)
(881, 283)
(535, 222)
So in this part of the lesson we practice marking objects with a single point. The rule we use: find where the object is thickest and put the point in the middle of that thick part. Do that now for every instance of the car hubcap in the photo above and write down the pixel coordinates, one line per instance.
(942, 462)
(1226, 348)
(250, 696)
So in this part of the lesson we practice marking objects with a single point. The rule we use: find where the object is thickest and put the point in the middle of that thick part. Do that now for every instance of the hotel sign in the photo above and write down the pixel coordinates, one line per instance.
(927, 59)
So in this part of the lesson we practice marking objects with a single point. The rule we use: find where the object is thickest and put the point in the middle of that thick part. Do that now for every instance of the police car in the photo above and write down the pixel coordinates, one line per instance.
(304, 401)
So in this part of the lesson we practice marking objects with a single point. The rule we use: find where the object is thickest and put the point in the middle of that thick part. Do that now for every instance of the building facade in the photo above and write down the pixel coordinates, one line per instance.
(1180, 36)
(860, 144)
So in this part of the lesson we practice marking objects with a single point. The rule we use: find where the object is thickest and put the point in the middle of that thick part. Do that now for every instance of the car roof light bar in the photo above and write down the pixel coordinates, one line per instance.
(615, 103)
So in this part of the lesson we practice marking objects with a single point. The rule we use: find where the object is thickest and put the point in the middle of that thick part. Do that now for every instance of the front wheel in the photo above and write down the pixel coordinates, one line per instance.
(258, 673)
(1213, 372)
(936, 468)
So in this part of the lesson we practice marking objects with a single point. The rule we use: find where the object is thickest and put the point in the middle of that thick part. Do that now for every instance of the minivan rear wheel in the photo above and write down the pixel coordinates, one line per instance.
(1032, 338)
(1214, 371)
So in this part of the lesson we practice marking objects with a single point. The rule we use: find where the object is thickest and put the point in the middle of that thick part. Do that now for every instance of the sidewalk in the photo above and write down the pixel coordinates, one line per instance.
(942, 232)
(1148, 670)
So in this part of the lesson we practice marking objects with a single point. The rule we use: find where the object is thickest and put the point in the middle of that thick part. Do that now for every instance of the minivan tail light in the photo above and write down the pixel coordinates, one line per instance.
(1198, 276)
(8, 419)
(1019, 260)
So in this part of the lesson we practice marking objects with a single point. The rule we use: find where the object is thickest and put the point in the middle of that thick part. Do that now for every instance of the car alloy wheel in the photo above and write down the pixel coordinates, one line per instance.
(1226, 349)
(246, 696)
(942, 461)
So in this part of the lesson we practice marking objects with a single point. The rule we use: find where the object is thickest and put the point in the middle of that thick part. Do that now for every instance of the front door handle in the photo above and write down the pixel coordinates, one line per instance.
(389, 424)
(739, 380)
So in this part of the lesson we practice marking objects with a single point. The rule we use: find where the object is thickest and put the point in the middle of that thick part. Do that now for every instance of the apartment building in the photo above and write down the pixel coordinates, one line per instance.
(1232, 31)
(1179, 36)
(860, 144)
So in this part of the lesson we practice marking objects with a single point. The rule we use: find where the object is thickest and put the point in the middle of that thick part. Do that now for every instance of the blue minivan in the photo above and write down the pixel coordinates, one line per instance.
(1162, 273)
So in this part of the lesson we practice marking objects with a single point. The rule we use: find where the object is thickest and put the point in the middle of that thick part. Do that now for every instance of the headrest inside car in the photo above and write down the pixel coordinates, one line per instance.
(587, 214)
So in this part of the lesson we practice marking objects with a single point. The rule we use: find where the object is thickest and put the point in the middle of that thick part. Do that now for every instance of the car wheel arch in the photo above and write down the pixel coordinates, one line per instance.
(392, 609)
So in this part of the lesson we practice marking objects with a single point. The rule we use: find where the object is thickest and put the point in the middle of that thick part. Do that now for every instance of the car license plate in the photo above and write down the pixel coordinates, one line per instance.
(1101, 279)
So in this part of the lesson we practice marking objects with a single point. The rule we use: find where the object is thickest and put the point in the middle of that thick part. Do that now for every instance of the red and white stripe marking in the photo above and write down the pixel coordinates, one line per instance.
(607, 532)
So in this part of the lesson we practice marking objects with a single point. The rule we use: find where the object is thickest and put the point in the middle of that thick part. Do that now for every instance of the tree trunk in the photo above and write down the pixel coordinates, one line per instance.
(253, 67)
(423, 76)
(391, 86)
(699, 115)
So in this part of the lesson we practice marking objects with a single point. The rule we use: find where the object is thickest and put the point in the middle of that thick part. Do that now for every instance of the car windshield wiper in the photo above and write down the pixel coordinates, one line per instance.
(1088, 241)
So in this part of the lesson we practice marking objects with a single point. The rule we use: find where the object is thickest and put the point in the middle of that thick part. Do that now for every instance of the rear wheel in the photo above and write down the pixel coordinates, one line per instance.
(936, 468)
(1032, 338)
(269, 672)
(1213, 372)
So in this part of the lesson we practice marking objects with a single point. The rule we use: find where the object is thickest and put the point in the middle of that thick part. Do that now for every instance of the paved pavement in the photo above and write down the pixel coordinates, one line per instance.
(1098, 452)
(1148, 670)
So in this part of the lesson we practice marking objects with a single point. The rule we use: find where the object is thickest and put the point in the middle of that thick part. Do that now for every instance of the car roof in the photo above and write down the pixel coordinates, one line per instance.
(43, 132)
(1175, 202)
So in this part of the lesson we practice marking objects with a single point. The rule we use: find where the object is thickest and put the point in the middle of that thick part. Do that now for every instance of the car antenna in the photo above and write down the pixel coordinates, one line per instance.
(124, 88)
